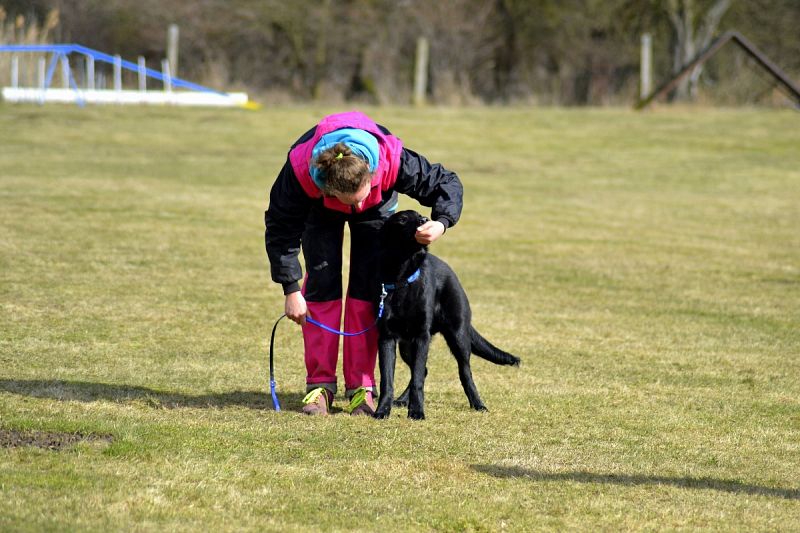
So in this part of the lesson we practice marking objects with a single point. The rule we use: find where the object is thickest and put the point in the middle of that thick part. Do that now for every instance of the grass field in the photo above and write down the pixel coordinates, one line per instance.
(646, 267)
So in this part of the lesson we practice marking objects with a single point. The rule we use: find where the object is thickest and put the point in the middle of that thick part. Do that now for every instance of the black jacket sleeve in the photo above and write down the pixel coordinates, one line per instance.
(432, 185)
(284, 221)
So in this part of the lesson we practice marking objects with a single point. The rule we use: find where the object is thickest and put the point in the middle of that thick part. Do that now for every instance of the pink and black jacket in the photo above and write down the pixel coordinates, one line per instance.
(400, 170)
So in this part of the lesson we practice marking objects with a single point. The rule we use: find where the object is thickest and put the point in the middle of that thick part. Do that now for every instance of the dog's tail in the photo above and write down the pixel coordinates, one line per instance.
(485, 349)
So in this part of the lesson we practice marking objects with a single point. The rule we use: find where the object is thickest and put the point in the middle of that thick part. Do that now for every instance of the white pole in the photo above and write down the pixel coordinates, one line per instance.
(167, 76)
(117, 73)
(42, 72)
(15, 71)
(142, 74)
(646, 68)
(90, 73)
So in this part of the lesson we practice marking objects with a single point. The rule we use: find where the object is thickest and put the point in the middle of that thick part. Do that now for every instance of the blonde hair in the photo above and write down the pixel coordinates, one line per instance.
(342, 171)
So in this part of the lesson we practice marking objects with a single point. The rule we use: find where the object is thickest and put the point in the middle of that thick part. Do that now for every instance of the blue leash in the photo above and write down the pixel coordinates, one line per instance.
(385, 287)
(336, 331)
(275, 402)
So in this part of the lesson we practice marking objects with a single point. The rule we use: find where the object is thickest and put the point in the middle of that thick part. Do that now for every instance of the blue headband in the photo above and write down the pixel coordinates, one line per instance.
(362, 143)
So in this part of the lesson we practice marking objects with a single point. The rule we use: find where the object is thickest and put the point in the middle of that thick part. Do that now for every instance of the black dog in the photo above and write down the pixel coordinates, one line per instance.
(422, 297)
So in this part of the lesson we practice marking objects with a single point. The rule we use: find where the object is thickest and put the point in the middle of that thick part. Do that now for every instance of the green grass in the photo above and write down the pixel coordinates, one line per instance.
(646, 267)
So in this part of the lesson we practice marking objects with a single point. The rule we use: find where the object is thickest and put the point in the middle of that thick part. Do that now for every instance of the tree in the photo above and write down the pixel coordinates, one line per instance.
(694, 23)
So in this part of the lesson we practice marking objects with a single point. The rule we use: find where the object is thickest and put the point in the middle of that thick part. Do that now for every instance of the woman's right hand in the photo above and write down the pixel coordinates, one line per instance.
(296, 308)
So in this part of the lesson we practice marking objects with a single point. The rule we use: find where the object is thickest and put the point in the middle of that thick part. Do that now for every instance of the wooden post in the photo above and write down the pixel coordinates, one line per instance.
(172, 48)
(117, 73)
(421, 71)
(90, 73)
(142, 74)
(15, 71)
(646, 67)
(167, 75)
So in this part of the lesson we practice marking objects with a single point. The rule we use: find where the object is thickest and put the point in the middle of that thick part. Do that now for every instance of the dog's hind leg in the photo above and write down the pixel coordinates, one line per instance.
(461, 348)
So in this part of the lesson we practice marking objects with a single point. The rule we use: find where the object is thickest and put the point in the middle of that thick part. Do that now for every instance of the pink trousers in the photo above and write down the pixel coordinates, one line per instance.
(322, 347)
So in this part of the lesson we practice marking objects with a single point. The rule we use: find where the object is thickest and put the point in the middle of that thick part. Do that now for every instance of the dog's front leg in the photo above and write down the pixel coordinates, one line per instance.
(387, 354)
(416, 395)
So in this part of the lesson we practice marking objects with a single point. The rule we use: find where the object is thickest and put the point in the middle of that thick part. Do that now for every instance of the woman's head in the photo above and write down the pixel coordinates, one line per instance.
(343, 172)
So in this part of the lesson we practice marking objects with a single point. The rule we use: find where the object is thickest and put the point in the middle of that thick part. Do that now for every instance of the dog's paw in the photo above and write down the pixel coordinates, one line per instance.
(416, 415)
(381, 414)
(401, 402)
(480, 407)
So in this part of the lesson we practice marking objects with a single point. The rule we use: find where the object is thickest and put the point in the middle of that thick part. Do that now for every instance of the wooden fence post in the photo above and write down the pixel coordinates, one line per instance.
(165, 71)
(646, 68)
(173, 32)
(421, 71)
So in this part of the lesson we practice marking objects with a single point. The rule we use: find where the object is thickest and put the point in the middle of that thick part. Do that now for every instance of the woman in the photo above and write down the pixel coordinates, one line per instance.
(348, 169)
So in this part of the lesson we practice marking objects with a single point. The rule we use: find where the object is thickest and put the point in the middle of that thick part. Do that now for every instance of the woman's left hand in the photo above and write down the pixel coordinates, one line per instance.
(429, 232)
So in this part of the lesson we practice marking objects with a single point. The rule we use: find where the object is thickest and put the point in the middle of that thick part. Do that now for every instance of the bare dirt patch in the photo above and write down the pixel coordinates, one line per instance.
(48, 440)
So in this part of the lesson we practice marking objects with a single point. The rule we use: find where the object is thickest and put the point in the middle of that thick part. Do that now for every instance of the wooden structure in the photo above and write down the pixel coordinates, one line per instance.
(782, 80)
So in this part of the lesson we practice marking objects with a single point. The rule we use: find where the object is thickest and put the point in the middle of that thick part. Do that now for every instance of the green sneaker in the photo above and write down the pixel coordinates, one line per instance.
(318, 401)
(361, 403)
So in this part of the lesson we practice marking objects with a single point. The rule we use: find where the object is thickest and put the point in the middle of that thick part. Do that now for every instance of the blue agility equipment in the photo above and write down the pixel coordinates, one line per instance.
(62, 52)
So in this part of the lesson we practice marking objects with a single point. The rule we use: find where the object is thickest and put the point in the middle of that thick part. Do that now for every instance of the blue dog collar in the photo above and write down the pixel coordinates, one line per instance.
(411, 279)
(386, 287)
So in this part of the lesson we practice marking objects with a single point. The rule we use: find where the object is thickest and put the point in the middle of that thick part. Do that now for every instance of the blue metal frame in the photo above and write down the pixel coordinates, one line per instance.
(60, 51)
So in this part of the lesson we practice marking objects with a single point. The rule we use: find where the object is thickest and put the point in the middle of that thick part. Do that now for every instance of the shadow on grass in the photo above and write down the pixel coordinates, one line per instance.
(85, 391)
(721, 485)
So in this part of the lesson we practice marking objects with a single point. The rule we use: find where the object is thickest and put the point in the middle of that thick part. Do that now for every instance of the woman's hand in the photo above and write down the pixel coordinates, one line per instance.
(429, 232)
(296, 308)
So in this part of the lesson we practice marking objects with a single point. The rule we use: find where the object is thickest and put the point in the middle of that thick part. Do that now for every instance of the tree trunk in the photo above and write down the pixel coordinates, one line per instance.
(691, 38)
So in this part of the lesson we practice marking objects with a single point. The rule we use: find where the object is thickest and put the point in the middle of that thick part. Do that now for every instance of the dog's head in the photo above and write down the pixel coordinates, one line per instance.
(400, 229)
